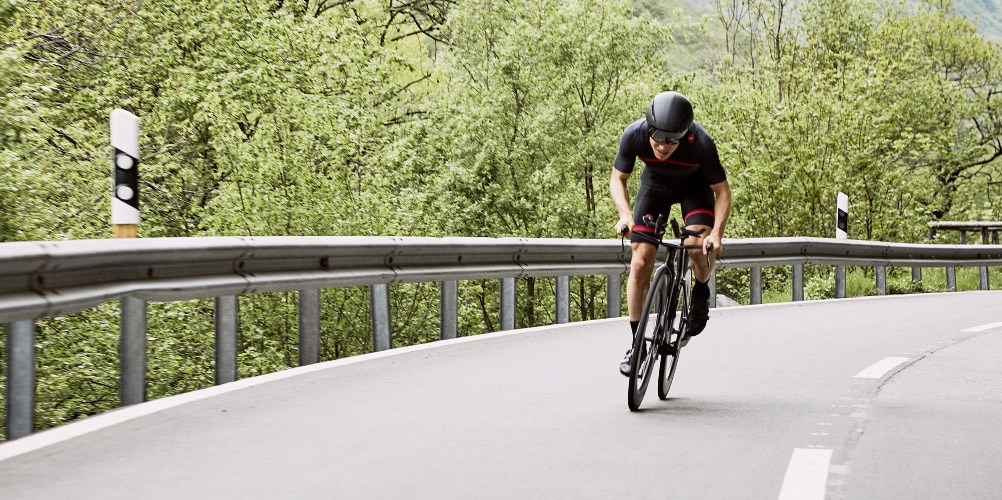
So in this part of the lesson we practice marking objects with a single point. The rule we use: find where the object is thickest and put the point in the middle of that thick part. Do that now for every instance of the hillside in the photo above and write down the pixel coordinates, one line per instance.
(986, 14)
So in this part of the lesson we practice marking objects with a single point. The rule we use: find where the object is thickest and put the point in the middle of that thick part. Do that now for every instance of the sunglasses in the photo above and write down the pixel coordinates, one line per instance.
(666, 137)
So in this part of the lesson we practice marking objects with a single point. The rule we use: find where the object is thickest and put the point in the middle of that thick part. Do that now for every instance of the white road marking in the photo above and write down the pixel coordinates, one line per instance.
(807, 475)
(880, 368)
(989, 326)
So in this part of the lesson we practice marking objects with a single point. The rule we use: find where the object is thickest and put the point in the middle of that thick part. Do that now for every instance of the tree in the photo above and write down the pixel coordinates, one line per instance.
(892, 106)
(539, 92)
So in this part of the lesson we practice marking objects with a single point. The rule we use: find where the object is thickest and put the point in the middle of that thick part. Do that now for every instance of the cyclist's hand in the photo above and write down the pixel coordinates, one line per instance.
(624, 226)
(711, 241)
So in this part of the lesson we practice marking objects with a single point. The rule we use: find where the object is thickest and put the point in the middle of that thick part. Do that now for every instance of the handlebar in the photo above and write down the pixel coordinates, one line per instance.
(680, 232)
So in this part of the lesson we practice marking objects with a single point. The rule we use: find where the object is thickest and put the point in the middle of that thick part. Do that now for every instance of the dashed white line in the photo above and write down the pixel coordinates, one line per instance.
(807, 475)
(981, 328)
(878, 369)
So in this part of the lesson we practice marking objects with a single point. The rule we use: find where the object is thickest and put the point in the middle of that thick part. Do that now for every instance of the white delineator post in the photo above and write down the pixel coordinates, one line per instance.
(125, 219)
(842, 217)
(125, 175)
(841, 233)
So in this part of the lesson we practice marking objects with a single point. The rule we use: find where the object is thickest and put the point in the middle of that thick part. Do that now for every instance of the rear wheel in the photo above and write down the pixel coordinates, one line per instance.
(649, 332)
(673, 343)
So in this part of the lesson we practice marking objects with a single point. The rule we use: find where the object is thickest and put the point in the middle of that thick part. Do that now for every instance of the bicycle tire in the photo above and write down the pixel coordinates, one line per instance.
(679, 329)
(647, 338)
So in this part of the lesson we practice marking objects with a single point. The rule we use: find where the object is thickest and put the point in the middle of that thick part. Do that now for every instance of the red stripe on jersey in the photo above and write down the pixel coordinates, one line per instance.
(673, 162)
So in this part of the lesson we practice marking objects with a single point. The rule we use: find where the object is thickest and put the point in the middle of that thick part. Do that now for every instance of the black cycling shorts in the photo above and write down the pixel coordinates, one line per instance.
(654, 198)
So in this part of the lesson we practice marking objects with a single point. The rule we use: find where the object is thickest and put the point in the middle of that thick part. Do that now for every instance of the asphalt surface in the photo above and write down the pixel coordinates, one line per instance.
(542, 413)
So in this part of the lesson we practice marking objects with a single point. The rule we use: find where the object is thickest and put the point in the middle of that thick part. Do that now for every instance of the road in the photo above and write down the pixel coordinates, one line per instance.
(876, 398)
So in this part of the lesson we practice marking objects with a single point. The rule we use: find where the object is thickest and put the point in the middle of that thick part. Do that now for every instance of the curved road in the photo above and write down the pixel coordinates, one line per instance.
(889, 397)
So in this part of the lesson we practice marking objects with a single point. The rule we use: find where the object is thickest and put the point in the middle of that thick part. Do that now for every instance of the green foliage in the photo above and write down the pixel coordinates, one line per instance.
(819, 287)
(894, 108)
(77, 365)
(735, 283)
(539, 91)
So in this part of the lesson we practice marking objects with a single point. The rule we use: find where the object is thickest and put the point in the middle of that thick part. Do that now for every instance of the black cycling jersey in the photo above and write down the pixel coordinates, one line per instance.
(694, 161)
(684, 178)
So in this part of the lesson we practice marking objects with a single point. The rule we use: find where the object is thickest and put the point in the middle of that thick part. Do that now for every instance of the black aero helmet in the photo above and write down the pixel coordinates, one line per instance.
(669, 117)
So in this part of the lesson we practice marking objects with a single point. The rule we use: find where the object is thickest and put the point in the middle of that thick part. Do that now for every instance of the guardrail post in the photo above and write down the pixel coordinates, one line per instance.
(712, 283)
(839, 281)
(614, 295)
(755, 286)
(309, 327)
(798, 282)
(132, 352)
(19, 370)
(881, 280)
(917, 275)
(379, 300)
(951, 278)
(984, 279)
(227, 325)
(563, 299)
(449, 316)
(507, 303)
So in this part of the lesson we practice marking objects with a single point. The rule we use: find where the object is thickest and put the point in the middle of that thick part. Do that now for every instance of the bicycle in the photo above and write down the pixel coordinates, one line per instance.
(670, 288)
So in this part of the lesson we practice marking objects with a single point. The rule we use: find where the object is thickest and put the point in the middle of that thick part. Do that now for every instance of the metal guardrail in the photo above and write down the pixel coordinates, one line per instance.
(47, 279)
(982, 227)
(43, 279)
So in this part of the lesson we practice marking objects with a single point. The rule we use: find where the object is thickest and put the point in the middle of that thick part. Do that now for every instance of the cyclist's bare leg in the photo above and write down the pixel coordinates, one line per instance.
(641, 267)
(701, 268)
(697, 260)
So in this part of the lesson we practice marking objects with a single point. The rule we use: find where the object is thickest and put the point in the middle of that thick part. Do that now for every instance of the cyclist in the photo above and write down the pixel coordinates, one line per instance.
(682, 166)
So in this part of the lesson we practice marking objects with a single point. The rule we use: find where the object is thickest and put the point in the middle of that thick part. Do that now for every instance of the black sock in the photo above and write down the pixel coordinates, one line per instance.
(633, 326)
(701, 289)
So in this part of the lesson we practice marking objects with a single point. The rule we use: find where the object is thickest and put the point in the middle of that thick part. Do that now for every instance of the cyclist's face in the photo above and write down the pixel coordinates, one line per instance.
(662, 150)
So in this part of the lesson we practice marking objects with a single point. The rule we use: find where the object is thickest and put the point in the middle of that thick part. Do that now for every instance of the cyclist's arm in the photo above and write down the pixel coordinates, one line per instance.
(721, 212)
(621, 198)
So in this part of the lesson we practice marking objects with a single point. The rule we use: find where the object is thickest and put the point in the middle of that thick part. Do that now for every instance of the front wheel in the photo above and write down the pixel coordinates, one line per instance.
(673, 344)
(648, 337)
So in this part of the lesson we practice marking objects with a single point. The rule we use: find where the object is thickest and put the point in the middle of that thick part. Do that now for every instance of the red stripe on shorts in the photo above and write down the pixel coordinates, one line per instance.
(699, 211)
